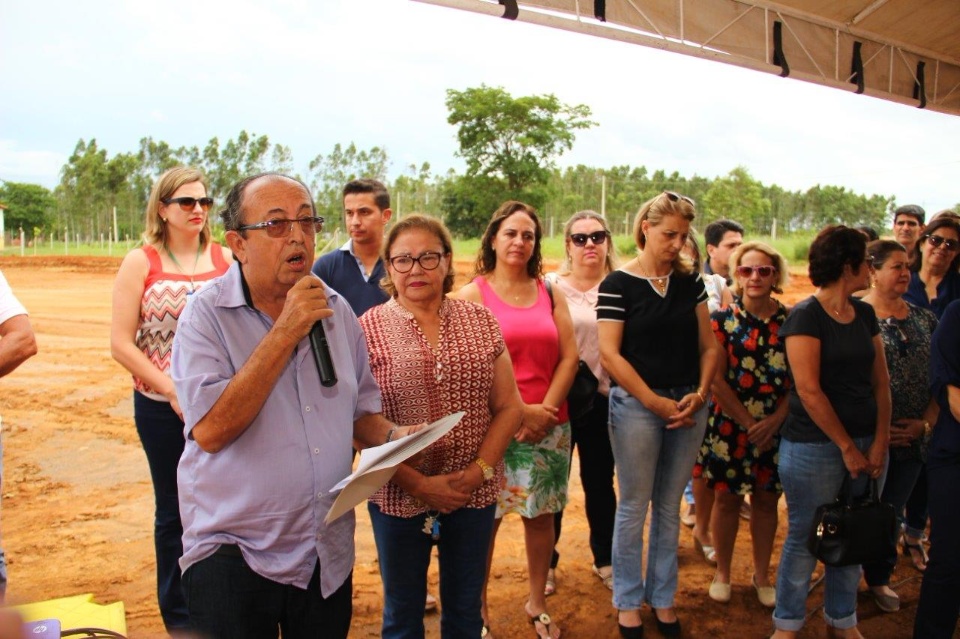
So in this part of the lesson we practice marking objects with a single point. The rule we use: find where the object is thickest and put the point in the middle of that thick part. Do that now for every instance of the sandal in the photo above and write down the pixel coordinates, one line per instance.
(544, 620)
(551, 586)
(606, 575)
(916, 552)
(709, 552)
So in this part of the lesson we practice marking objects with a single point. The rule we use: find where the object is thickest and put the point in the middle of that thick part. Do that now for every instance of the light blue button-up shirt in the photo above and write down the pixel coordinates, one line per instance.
(268, 490)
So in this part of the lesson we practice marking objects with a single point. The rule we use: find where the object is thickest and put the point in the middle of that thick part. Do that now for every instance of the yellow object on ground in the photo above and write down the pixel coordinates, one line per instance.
(78, 611)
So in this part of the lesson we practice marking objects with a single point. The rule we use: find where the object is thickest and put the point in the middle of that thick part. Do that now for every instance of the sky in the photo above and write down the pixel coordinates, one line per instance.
(310, 74)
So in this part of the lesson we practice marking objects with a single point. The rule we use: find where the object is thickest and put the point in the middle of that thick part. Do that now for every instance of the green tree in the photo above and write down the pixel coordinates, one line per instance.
(225, 166)
(29, 207)
(415, 191)
(328, 174)
(737, 196)
(516, 140)
(91, 184)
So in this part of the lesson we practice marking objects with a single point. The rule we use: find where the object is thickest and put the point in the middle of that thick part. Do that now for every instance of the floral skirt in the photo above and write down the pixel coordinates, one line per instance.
(536, 475)
(731, 464)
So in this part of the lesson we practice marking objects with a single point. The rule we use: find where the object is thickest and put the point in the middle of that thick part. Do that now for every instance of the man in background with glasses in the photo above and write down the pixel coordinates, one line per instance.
(265, 441)
(17, 345)
(356, 268)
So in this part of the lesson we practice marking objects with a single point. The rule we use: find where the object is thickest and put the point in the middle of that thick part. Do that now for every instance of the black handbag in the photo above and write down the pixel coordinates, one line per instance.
(582, 393)
(852, 531)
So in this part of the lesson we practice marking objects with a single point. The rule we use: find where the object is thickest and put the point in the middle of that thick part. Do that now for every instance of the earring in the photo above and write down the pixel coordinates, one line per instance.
(163, 219)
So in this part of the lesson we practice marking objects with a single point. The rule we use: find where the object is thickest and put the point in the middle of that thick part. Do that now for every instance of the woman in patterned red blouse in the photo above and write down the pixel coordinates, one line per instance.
(432, 356)
(150, 292)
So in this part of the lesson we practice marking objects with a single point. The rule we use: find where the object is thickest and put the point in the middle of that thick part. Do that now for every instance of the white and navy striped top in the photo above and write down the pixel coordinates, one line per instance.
(660, 333)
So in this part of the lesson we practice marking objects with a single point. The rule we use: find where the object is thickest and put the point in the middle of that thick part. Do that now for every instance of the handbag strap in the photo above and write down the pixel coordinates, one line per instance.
(845, 494)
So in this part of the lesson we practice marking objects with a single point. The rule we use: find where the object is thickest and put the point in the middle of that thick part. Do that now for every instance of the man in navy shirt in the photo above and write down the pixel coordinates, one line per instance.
(355, 270)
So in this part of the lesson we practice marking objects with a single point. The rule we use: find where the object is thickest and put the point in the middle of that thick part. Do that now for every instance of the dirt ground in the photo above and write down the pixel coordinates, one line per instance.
(78, 505)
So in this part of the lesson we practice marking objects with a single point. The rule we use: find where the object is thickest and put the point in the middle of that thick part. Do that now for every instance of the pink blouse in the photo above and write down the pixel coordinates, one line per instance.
(532, 340)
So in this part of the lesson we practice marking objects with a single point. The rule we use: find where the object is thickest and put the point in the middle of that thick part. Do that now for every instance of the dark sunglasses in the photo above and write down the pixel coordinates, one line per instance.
(189, 203)
(935, 241)
(893, 324)
(282, 227)
(427, 261)
(597, 237)
(676, 197)
(762, 271)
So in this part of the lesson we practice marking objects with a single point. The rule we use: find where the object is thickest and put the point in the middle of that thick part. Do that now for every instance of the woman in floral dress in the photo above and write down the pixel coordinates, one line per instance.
(739, 453)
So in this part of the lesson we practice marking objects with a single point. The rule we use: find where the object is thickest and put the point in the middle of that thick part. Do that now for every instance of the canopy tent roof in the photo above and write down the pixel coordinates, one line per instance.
(907, 51)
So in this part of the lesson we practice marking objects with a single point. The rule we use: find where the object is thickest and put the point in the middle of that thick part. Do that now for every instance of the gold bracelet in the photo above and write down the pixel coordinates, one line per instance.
(703, 400)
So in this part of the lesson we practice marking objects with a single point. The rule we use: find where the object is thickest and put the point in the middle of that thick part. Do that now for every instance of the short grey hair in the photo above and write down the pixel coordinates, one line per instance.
(232, 213)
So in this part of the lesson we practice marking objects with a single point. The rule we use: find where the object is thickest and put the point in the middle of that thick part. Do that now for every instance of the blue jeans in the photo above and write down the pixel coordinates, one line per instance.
(404, 549)
(228, 600)
(653, 465)
(902, 475)
(811, 474)
(161, 433)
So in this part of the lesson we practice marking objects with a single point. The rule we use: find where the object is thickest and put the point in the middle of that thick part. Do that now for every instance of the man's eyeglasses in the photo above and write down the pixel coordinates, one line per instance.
(282, 227)
(936, 240)
(427, 261)
(748, 271)
(676, 197)
(189, 203)
(597, 237)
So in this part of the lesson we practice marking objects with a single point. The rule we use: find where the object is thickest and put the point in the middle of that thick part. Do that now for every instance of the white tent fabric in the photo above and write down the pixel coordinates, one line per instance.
(907, 51)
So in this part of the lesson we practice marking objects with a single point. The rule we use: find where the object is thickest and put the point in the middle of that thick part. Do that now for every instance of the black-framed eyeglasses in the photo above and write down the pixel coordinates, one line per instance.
(282, 227)
(936, 240)
(676, 197)
(427, 261)
(597, 237)
(763, 271)
(189, 203)
(893, 323)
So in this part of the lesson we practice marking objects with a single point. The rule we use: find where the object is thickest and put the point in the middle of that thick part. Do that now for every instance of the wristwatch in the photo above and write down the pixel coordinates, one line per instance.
(485, 468)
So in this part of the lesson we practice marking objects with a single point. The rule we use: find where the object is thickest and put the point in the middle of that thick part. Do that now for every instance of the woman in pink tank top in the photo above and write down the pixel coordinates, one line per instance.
(538, 332)
(150, 292)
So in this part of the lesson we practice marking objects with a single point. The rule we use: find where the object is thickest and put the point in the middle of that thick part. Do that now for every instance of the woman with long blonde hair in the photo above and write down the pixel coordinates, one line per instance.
(150, 292)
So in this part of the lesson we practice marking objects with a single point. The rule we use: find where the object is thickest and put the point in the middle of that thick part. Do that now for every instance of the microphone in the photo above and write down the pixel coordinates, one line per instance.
(321, 355)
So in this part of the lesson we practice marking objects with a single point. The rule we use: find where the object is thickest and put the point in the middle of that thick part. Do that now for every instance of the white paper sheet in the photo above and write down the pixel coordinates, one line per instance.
(377, 464)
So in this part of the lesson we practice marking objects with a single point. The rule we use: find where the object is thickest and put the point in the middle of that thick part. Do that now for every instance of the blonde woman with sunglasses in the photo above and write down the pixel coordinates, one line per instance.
(657, 346)
(150, 292)
(739, 453)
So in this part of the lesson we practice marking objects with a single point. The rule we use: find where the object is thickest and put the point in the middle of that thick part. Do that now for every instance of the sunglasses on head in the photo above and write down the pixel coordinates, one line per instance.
(935, 241)
(597, 237)
(676, 197)
(762, 271)
(189, 203)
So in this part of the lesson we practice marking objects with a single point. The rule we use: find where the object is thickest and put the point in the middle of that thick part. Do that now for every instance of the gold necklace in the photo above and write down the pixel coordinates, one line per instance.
(196, 261)
(660, 283)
